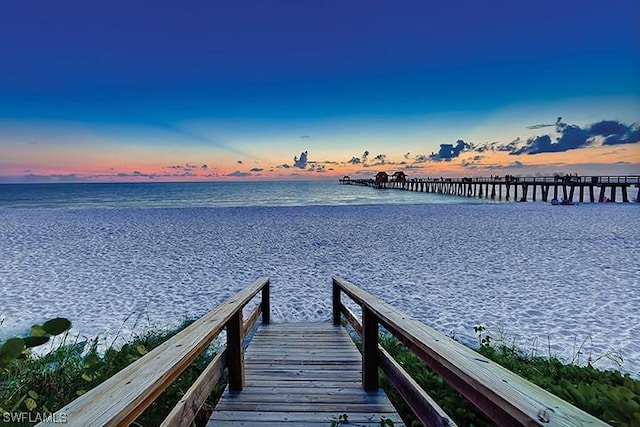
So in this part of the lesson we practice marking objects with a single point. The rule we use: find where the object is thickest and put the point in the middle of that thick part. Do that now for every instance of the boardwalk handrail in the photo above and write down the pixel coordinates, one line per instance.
(503, 396)
(123, 397)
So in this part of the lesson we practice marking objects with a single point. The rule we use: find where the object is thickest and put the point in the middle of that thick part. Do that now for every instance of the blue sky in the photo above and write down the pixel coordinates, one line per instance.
(142, 86)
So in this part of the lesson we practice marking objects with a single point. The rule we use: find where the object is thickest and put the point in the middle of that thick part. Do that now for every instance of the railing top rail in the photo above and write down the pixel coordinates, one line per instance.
(510, 179)
(516, 396)
(546, 178)
(120, 399)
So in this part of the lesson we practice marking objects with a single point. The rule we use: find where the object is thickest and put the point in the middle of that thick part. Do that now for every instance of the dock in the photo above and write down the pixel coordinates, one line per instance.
(312, 373)
(571, 189)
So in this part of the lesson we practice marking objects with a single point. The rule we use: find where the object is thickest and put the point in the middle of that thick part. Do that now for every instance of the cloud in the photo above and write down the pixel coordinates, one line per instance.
(53, 177)
(380, 159)
(239, 174)
(406, 156)
(365, 156)
(540, 126)
(536, 144)
(187, 168)
(317, 168)
(609, 127)
(305, 137)
(256, 170)
(468, 164)
(615, 133)
(571, 137)
(449, 151)
(239, 162)
(301, 163)
(138, 174)
(510, 147)
(473, 162)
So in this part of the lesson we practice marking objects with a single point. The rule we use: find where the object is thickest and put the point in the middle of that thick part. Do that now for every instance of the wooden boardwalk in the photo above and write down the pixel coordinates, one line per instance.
(309, 374)
(304, 374)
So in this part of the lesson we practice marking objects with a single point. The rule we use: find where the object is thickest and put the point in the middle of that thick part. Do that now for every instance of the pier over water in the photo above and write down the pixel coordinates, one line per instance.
(567, 188)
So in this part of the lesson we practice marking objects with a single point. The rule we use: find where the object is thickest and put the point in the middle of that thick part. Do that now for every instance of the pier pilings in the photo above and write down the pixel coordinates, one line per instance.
(567, 188)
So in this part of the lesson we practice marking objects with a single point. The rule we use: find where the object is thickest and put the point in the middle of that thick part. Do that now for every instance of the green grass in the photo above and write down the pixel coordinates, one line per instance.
(45, 384)
(608, 395)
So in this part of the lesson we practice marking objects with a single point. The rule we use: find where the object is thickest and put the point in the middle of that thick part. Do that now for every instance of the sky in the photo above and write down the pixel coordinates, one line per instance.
(283, 89)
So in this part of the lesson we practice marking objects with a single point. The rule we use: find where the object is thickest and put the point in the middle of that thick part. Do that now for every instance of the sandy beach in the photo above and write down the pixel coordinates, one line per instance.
(551, 279)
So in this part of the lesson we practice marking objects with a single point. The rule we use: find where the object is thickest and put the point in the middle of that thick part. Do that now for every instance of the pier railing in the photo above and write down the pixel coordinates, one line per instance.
(493, 187)
(503, 396)
(123, 397)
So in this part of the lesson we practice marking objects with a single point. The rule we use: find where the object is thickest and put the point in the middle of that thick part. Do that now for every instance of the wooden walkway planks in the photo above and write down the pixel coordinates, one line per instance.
(304, 374)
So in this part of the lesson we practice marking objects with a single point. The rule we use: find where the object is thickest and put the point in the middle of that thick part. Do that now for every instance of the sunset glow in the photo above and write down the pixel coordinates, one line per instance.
(290, 90)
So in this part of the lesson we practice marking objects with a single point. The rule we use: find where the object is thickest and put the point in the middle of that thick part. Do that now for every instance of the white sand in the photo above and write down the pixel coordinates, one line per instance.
(530, 272)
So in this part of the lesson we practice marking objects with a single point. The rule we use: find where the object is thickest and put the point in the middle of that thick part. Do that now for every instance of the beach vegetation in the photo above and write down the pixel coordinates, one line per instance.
(20, 347)
(343, 420)
(609, 395)
(45, 383)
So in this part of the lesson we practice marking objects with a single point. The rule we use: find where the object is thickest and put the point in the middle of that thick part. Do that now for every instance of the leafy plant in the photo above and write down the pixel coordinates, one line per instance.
(340, 420)
(46, 383)
(343, 419)
(484, 339)
(18, 347)
(608, 395)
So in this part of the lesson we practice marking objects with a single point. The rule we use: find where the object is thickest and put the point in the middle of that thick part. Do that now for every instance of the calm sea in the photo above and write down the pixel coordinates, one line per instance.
(209, 194)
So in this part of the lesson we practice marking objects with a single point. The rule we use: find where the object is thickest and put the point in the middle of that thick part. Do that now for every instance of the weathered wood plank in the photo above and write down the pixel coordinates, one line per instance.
(305, 374)
(318, 375)
(251, 319)
(235, 351)
(302, 397)
(121, 399)
(304, 416)
(302, 419)
(334, 389)
(325, 423)
(185, 411)
(423, 406)
(505, 397)
(328, 384)
(338, 407)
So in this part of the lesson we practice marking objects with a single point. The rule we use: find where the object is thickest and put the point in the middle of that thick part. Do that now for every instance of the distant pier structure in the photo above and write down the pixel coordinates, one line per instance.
(565, 188)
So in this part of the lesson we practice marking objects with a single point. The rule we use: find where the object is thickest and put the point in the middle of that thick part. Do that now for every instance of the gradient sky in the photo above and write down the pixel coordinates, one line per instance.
(197, 90)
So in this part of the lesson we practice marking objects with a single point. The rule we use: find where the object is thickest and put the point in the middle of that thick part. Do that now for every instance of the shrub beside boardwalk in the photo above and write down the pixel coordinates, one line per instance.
(41, 385)
(608, 395)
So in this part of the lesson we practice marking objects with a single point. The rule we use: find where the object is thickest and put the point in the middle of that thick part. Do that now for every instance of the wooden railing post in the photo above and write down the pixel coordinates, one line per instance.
(370, 349)
(266, 304)
(336, 303)
(235, 352)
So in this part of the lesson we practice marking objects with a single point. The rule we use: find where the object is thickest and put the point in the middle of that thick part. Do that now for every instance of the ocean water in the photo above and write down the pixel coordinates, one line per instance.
(117, 259)
(204, 194)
